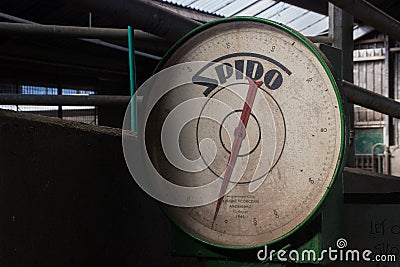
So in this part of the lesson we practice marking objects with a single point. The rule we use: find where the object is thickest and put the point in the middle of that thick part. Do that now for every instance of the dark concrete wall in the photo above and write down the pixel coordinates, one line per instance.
(67, 199)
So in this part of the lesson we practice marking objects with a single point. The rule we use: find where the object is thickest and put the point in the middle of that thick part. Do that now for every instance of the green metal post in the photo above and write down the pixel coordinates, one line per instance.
(132, 76)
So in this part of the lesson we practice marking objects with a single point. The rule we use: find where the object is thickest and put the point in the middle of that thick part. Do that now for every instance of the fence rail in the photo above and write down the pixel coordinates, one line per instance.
(365, 162)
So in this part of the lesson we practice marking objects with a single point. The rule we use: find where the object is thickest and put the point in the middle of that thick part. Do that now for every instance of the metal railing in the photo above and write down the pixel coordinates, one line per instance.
(370, 162)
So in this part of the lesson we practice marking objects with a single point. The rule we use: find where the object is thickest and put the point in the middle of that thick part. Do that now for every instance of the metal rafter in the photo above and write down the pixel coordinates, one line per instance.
(371, 100)
(371, 15)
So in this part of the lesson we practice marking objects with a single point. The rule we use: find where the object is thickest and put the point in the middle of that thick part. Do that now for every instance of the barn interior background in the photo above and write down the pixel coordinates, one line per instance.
(66, 198)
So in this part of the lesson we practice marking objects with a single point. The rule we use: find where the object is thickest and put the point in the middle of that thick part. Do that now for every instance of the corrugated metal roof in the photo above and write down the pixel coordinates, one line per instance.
(306, 22)
(240, 5)
(300, 19)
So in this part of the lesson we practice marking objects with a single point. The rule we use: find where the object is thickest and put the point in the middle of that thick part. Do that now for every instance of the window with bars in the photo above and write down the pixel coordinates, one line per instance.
(86, 114)
(365, 140)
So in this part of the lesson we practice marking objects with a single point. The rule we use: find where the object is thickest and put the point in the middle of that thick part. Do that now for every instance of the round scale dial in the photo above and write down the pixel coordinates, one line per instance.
(277, 132)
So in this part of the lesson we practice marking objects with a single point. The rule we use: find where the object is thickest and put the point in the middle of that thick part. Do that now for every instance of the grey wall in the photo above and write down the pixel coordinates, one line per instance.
(66, 199)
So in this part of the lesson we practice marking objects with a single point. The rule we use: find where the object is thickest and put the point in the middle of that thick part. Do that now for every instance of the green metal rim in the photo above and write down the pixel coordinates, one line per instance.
(314, 50)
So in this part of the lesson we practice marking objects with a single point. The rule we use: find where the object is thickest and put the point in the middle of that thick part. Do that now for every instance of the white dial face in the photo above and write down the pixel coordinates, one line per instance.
(293, 132)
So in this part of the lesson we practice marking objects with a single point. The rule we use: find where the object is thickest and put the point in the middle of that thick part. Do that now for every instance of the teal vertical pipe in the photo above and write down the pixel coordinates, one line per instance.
(132, 76)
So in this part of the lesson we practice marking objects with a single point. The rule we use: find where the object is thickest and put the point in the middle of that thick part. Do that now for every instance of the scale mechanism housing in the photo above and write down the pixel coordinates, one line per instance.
(318, 231)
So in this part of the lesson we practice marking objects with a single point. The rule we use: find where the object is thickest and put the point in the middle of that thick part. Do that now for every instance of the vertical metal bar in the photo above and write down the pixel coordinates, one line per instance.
(60, 110)
(132, 76)
(389, 121)
(373, 161)
(362, 162)
(90, 19)
(341, 30)
(386, 161)
(379, 163)
(390, 71)
(17, 90)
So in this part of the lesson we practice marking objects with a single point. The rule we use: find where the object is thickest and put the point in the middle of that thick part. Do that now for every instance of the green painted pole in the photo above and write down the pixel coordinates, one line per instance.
(132, 76)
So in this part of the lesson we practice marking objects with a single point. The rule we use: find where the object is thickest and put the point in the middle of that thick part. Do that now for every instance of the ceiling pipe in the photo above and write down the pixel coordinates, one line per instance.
(145, 41)
(12, 28)
(143, 15)
(64, 100)
(371, 100)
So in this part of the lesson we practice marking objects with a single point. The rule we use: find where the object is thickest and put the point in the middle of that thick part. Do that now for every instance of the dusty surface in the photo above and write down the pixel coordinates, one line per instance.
(67, 199)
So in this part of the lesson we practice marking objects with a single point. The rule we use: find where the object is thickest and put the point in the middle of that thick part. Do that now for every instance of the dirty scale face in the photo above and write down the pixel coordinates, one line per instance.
(294, 133)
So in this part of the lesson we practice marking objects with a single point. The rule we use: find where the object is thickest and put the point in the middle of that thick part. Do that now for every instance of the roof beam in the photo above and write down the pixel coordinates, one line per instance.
(189, 13)
(371, 15)
(320, 6)
(143, 15)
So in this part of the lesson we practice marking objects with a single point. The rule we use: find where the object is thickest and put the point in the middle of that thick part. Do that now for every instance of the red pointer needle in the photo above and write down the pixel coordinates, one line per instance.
(240, 133)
